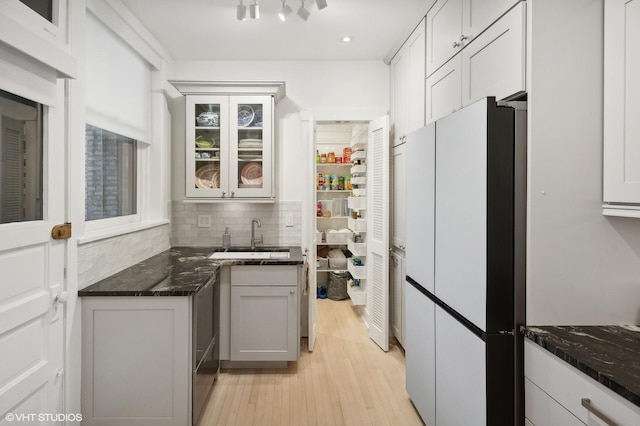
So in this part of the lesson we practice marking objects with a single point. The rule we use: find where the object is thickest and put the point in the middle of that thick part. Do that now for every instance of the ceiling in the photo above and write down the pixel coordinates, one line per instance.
(208, 30)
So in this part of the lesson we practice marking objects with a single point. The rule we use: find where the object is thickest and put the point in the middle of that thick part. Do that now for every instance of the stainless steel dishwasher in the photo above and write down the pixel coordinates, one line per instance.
(206, 347)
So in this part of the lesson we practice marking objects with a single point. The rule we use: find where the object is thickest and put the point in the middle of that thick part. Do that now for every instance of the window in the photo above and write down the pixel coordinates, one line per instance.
(43, 8)
(110, 174)
(20, 159)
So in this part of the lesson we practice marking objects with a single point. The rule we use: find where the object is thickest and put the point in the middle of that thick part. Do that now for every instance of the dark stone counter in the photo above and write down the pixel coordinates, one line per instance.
(179, 271)
(608, 354)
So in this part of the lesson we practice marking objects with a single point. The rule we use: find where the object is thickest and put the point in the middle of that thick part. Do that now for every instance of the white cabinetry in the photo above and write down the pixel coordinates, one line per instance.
(493, 64)
(229, 147)
(407, 79)
(452, 24)
(398, 196)
(136, 360)
(554, 393)
(398, 297)
(264, 313)
(622, 108)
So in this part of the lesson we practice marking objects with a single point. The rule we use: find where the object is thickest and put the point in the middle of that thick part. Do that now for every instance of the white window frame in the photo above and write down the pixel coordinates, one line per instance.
(31, 20)
(147, 197)
(119, 221)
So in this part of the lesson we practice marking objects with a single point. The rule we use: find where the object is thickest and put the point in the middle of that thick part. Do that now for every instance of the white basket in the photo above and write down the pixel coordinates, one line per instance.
(358, 249)
(357, 224)
(357, 203)
(357, 271)
(337, 237)
(319, 237)
(359, 169)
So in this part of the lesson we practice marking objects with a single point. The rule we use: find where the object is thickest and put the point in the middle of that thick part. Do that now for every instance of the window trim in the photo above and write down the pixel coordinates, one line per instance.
(97, 225)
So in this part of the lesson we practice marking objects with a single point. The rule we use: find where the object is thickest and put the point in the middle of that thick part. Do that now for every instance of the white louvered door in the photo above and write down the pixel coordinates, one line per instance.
(378, 231)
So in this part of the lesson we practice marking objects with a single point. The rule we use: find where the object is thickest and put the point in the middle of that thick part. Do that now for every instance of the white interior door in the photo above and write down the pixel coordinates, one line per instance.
(378, 231)
(32, 266)
(308, 235)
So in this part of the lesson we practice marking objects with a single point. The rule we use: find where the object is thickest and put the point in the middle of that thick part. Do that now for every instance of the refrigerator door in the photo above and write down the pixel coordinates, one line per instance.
(474, 375)
(420, 352)
(460, 378)
(420, 208)
(474, 214)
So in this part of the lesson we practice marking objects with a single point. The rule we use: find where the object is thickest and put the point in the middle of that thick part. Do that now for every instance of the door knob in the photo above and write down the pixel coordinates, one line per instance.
(62, 297)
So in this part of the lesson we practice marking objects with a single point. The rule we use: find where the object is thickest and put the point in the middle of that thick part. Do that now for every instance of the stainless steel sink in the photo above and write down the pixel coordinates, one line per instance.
(251, 254)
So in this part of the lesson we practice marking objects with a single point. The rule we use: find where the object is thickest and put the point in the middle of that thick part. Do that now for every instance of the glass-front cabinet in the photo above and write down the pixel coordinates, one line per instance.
(229, 142)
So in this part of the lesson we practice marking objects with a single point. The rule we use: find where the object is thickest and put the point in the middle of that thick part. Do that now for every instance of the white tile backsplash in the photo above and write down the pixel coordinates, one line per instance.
(99, 259)
(236, 216)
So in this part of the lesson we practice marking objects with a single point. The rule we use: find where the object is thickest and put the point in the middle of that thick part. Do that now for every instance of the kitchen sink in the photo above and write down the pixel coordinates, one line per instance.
(247, 253)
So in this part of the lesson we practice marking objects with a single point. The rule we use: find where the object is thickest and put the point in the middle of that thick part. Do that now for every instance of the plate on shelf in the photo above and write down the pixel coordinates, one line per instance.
(250, 143)
(251, 174)
(245, 115)
(208, 176)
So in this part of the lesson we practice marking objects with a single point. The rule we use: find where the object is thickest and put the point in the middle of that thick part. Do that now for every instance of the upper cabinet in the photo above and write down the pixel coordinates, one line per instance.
(407, 81)
(229, 141)
(492, 63)
(452, 24)
(621, 168)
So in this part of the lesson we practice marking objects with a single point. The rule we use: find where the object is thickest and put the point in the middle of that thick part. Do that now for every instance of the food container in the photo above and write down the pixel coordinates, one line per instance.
(331, 158)
(346, 154)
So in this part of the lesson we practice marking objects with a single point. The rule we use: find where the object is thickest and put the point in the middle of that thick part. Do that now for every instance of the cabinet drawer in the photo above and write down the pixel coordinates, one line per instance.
(542, 410)
(568, 386)
(274, 275)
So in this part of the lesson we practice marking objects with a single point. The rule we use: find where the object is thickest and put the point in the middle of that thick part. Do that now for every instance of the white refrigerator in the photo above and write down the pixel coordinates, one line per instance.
(466, 201)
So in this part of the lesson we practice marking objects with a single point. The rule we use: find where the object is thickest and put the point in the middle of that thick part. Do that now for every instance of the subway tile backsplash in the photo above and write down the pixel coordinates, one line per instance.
(103, 258)
(185, 230)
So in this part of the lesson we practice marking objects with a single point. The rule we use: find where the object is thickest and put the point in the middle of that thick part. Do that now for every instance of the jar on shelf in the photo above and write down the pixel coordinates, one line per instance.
(323, 158)
(331, 158)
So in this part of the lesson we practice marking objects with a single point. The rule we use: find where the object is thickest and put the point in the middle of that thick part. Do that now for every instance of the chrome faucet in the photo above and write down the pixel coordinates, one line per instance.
(255, 240)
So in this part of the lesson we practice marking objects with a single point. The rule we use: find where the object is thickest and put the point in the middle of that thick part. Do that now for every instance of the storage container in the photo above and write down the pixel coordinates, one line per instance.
(337, 237)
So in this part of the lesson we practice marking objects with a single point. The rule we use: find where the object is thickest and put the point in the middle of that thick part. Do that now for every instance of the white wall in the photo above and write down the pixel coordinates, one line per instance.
(583, 268)
(340, 90)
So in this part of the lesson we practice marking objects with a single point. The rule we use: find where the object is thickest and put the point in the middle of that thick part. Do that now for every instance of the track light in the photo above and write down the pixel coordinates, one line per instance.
(241, 12)
(254, 10)
(321, 4)
(302, 12)
(285, 11)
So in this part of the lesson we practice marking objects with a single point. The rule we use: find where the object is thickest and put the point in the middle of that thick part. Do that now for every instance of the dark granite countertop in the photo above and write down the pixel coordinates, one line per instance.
(179, 271)
(609, 354)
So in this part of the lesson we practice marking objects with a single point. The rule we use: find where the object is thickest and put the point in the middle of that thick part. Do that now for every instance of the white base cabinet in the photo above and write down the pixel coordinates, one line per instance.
(136, 361)
(264, 313)
(554, 391)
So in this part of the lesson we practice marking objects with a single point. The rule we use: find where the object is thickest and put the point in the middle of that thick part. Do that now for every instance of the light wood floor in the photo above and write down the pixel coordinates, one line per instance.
(346, 380)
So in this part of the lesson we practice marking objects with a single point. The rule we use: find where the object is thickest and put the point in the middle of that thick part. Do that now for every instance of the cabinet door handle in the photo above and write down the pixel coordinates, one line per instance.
(456, 44)
(463, 37)
(233, 194)
(292, 291)
(586, 403)
(223, 194)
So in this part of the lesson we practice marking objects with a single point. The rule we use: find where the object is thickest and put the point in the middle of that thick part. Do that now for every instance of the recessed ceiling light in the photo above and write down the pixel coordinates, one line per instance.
(346, 39)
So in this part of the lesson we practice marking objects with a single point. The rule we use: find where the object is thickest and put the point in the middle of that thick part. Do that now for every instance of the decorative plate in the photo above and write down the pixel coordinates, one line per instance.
(245, 115)
(251, 174)
(208, 176)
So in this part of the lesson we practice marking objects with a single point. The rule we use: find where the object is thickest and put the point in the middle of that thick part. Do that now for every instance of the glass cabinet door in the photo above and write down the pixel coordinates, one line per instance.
(251, 136)
(207, 146)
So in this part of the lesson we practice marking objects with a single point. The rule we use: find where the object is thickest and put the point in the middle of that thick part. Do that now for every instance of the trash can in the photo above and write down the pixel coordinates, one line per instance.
(337, 286)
